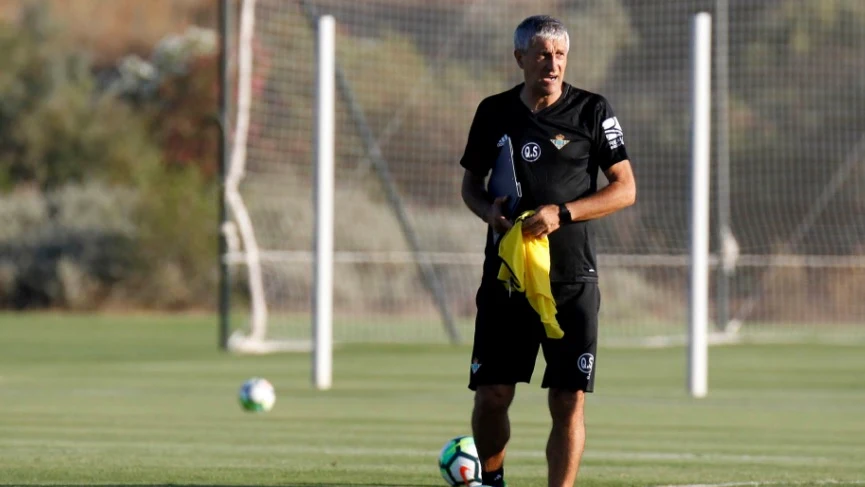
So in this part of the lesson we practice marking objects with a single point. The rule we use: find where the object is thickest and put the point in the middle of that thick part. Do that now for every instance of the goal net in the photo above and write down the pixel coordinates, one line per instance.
(408, 253)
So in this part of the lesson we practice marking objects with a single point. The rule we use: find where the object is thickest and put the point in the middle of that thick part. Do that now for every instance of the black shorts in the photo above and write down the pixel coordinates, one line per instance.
(508, 333)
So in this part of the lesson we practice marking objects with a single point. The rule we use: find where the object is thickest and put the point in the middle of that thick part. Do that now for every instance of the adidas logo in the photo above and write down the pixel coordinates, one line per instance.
(502, 141)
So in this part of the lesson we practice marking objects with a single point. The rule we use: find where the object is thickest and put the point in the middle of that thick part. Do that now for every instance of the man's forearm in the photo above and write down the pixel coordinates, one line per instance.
(476, 198)
(610, 199)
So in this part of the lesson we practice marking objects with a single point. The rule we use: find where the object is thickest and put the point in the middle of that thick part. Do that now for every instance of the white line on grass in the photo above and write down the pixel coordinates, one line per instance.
(348, 451)
(761, 483)
(598, 455)
(290, 448)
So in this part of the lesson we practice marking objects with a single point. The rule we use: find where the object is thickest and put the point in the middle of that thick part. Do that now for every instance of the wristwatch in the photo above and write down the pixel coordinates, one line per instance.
(564, 214)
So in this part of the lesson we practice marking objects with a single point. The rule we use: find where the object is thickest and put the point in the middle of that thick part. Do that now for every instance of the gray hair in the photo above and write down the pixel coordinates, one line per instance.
(539, 27)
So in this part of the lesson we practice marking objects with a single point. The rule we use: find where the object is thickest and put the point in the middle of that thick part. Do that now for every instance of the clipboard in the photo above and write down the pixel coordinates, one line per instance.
(503, 180)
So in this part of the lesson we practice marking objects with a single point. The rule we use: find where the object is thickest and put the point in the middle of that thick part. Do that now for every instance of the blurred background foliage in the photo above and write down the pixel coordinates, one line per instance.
(108, 162)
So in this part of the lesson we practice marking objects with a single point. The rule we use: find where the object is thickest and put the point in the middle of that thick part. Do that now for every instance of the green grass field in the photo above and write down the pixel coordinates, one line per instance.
(151, 401)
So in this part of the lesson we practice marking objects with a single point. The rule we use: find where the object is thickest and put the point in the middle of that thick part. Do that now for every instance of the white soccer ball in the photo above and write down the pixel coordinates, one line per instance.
(257, 395)
(459, 462)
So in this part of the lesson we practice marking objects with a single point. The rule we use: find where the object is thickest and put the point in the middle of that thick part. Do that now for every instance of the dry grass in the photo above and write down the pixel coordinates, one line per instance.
(110, 28)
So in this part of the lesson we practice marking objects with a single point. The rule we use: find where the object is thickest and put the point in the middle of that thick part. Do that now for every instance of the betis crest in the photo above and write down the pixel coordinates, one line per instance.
(559, 141)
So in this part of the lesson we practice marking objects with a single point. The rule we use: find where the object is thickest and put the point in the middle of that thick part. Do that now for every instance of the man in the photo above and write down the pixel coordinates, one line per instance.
(562, 136)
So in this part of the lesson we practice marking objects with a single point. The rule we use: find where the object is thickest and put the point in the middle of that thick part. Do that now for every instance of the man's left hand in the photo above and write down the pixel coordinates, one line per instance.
(544, 222)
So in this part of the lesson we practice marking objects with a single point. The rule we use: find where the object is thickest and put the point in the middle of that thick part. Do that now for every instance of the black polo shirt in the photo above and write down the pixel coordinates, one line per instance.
(557, 154)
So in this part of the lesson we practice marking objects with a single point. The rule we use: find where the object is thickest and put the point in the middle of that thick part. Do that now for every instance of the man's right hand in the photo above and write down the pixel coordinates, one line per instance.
(495, 217)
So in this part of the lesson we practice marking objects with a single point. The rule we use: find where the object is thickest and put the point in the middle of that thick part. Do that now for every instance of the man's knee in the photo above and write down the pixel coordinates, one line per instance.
(566, 405)
(494, 398)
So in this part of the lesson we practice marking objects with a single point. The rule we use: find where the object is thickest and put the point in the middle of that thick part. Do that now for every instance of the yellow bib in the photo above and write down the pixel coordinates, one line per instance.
(526, 269)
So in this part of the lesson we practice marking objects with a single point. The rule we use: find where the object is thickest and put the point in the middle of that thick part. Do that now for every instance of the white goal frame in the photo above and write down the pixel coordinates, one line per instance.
(242, 243)
(243, 246)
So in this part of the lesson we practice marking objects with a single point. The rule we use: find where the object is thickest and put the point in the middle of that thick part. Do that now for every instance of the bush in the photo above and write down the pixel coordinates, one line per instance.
(66, 247)
(54, 128)
(109, 200)
(177, 217)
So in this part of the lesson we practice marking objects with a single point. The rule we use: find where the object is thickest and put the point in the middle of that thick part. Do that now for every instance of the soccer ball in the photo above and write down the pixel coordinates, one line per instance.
(459, 462)
(257, 395)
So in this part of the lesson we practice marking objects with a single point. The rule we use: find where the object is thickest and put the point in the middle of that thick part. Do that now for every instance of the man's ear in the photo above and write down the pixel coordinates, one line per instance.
(519, 57)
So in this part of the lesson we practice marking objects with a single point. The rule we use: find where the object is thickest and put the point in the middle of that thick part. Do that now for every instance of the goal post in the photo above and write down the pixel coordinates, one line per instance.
(265, 264)
(239, 232)
(698, 319)
(322, 320)
(225, 94)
